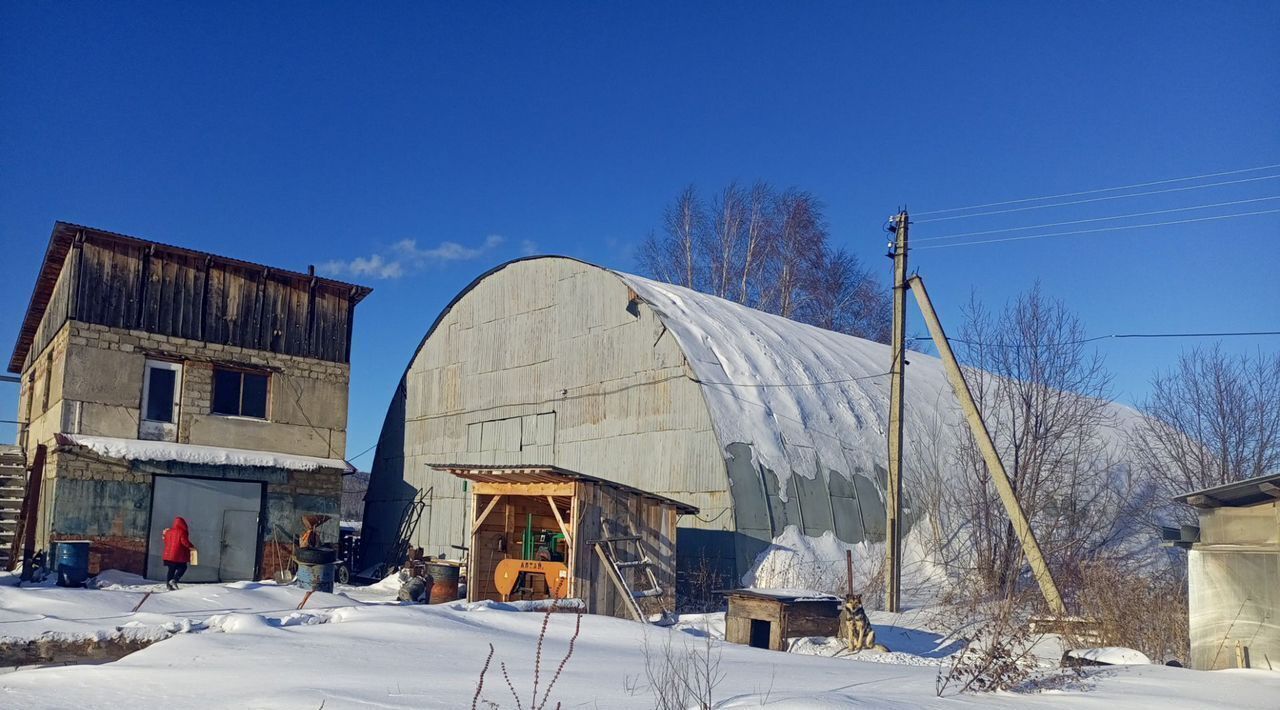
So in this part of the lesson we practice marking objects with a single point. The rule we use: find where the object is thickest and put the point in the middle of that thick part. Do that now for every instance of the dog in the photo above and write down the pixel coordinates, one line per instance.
(855, 627)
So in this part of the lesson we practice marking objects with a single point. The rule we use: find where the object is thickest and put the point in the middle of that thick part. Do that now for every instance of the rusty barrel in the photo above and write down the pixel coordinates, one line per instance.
(444, 581)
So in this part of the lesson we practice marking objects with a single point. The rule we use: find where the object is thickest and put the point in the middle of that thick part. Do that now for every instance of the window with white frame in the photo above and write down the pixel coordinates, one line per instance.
(161, 385)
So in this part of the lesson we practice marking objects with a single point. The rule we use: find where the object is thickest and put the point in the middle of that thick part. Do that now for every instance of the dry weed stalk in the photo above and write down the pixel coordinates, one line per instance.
(534, 702)
(1142, 610)
(682, 677)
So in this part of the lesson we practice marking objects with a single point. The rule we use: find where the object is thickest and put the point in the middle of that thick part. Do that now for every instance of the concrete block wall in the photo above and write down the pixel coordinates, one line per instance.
(307, 406)
(43, 413)
(108, 502)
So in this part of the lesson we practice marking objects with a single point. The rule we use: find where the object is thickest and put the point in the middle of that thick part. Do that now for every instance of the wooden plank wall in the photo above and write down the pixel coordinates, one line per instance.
(137, 286)
(56, 313)
(627, 514)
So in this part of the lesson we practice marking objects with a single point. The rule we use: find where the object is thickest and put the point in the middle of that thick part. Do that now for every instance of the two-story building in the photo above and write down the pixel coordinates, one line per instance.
(161, 381)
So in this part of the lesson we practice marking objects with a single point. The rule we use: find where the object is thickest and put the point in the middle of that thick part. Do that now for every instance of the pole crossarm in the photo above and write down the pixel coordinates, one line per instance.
(1021, 526)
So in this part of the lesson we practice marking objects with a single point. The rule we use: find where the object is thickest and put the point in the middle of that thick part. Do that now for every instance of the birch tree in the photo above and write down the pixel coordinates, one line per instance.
(770, 251)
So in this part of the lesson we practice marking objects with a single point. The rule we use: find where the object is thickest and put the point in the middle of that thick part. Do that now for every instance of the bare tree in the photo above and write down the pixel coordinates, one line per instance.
(1044, 397)
(844, 297)
(1212, 419)
(729, 211)
(685, 220)
(755, 241)
(770, 251)
(674, 256)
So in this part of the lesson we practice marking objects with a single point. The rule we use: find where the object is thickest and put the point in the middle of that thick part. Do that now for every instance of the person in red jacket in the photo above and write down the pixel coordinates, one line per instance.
(177, 551)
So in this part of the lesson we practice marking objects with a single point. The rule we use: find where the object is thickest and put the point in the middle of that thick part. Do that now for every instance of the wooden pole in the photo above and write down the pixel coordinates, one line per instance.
(1021, 526)
(848, 561)
(142, 601)
(893, 529)
(30, 514)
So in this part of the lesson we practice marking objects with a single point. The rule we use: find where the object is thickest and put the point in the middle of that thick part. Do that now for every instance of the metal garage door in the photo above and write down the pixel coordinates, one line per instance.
(223, 520)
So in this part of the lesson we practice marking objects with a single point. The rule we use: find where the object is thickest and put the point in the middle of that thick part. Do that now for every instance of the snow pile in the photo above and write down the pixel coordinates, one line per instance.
(49, 611)
(1111, 656)
(797, 561)
(140, 450)
(238, 623)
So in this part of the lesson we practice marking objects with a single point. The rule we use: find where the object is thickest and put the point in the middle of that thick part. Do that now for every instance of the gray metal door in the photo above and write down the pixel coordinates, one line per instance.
(204, 504)
(239, 544)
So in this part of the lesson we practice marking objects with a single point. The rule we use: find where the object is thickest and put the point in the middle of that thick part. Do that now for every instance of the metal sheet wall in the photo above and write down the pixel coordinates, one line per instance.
(547, 361)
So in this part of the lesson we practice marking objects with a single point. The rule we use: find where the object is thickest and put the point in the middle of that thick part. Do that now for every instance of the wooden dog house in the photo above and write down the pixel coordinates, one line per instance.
(616, 543)
(766, 618)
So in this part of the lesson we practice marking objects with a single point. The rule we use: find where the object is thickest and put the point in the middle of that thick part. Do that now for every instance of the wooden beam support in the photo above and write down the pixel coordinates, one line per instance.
(524, 489)
(1017, 517)
(475, 527)
(568, 536)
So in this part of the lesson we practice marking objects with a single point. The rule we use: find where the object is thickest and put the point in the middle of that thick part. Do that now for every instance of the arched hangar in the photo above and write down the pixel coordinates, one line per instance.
(758, 421)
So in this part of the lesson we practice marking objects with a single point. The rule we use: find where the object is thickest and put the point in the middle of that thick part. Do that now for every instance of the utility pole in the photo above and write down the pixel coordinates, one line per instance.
(893, 526)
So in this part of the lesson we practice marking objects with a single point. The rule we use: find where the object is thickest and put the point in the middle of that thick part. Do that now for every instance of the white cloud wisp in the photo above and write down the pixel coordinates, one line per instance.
(405, 256)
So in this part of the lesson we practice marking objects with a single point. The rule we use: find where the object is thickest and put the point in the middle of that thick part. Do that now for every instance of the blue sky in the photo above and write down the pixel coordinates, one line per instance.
(434, 141)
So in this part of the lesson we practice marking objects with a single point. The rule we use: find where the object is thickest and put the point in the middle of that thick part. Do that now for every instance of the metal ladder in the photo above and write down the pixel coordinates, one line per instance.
(607, 550)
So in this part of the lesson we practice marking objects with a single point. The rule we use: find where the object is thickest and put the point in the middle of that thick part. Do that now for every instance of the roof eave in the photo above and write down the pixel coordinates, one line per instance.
(55, 256)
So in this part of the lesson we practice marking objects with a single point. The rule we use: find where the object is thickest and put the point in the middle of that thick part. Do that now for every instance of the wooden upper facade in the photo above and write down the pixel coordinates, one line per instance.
(94, 276)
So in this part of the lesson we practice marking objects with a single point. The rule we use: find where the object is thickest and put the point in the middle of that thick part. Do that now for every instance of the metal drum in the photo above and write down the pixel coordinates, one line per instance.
(71, 562)
(315, 576)
(444, 581)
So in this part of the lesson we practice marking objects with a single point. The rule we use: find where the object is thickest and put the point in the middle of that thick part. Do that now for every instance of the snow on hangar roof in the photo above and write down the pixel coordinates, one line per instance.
(798, 394)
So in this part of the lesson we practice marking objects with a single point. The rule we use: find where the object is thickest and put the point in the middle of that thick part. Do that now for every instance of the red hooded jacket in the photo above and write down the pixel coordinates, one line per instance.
(177, 546)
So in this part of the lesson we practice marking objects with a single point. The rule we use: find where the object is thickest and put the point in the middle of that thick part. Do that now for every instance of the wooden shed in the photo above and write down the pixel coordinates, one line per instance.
(617, 544)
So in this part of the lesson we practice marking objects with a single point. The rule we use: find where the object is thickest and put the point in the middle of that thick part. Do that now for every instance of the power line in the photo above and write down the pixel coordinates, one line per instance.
(1099, 229)
(1099, 219)
(1113, 336)
(1100, 199)
(1103, 189)
(362, 453)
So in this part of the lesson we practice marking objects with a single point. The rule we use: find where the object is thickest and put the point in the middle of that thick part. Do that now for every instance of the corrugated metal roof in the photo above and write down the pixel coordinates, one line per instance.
(499, 473)
(1241, 494)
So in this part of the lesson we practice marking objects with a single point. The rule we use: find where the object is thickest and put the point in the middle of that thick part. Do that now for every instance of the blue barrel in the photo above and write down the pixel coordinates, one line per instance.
(71, 562)
(315, 577)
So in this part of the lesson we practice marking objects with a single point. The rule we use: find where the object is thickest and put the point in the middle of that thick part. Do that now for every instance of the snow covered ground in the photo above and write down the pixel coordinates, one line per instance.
(245, 646)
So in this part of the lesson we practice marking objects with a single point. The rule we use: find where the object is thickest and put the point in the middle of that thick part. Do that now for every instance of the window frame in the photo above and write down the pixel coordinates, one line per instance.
(241, 371)
(155, 429)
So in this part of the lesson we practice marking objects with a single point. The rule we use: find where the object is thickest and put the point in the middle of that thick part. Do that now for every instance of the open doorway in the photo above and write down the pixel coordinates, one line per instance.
(760, 632)
(521, 528)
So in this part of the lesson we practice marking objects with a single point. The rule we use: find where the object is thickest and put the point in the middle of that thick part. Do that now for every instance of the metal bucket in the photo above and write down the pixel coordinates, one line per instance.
(315, 577)
(444, 581)
(71, 562)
